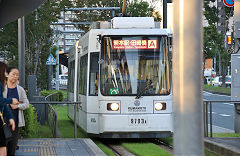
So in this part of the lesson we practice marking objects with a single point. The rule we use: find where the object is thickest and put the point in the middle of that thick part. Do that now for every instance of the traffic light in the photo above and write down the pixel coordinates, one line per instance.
(229, 39)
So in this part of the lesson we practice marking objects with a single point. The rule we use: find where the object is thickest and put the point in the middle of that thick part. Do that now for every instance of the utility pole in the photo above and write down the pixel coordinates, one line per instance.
(235, 70)
(187, 77)
(165, 2)
(164, 13)
(57, 67)
(21, 51)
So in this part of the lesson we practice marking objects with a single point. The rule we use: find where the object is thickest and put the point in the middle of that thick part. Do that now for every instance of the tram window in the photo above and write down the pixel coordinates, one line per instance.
(93, 77)
(71, 76)
(135, 64)
(83, 75)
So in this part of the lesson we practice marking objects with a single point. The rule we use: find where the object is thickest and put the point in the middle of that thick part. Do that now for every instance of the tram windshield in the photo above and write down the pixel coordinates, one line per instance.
(132, 65)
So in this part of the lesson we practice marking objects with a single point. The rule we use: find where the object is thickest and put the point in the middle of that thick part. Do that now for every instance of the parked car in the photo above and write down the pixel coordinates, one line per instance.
(228, 81)
(63, 79)
(217, 81)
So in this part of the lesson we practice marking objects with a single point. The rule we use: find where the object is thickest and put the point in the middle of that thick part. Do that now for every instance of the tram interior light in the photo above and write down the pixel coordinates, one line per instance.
(113, 106)
(160, 106)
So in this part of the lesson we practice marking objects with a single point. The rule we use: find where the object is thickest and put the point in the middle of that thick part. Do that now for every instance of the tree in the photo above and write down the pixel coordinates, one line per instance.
(136, 7)
(214, 41)
(140, 9)
(95, 15)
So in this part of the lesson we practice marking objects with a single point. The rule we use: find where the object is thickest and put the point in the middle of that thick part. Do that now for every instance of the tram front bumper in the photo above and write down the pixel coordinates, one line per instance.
(136, 123)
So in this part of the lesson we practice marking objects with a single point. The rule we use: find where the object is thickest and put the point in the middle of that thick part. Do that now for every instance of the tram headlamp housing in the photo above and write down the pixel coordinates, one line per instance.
(159, 106)
(113, 106)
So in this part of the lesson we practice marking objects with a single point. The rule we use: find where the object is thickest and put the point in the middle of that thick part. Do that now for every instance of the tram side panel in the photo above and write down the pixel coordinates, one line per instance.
(87, 114)
(71, 73)
(92, 105)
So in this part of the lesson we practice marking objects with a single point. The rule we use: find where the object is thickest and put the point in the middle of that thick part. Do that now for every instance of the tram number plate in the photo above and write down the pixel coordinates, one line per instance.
(137, 121)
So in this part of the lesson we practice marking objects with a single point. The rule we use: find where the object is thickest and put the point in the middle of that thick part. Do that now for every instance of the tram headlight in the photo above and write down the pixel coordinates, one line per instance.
(113, 106)
(160, 106)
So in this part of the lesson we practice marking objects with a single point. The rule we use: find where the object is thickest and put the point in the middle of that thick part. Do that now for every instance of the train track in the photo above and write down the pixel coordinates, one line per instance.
(117, 149)
(163, 145)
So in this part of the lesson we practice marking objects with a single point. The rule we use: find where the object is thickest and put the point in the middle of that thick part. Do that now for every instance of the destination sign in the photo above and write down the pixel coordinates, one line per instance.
(134, 44)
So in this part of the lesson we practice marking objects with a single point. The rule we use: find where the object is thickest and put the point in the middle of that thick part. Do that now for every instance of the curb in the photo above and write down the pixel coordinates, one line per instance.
(214, 92)
(221, 149)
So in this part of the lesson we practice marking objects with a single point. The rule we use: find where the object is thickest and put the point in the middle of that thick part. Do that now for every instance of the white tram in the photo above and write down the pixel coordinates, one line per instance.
(121, 73)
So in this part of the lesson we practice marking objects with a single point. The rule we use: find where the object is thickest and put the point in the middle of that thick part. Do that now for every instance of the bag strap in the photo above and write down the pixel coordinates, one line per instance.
(2, 118)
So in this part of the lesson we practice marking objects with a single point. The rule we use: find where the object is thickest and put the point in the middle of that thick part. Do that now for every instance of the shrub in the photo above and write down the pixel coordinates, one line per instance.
(59, 95)
(31, 128)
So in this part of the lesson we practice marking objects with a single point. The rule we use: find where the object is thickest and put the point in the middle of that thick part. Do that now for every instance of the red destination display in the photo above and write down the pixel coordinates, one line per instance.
(134, 44)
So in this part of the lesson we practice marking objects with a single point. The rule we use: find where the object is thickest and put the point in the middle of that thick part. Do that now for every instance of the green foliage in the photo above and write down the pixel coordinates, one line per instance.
(210, 13)
(104, 148)
(143, 149)
(168, 140)
(95, 15)
(226, 135)
(59, 95)
(65, 125)
(140, 9)
(217, 89)
(31, 128)
(213, 40)
(208, 153)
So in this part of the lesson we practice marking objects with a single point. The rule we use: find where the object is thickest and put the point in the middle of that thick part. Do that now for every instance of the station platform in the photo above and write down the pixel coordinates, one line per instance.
(58, 147)
(223, 146)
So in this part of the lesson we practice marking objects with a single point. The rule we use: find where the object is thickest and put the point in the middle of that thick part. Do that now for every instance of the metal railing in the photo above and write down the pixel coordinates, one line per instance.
(51, 114)
(207, 105)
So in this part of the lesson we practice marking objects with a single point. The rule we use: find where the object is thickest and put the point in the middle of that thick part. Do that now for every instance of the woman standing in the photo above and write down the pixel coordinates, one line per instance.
(13, 90)
(5, 109)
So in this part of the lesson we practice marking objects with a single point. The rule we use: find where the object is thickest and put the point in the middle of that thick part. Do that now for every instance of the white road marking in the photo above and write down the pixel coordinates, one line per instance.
(212, 112)
(224, 115)
(230, 104)
(218, 129)
(215, 94)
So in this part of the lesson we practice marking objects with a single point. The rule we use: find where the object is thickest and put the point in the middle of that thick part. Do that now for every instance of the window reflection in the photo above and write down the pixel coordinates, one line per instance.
(130, 70)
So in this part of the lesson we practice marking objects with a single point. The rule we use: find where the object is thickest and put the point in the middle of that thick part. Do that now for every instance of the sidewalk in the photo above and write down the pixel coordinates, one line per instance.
(222, 146)
(58, 147)
(217, 129)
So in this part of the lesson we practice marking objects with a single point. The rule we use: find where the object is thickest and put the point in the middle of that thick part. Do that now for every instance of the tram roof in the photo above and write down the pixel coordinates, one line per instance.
(126, 32)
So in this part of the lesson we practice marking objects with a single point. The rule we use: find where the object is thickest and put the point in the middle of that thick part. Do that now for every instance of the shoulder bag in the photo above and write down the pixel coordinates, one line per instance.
(6, 129)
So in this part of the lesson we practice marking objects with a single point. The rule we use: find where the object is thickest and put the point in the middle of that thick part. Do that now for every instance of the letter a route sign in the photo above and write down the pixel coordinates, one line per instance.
(51, 60)
(229, 3)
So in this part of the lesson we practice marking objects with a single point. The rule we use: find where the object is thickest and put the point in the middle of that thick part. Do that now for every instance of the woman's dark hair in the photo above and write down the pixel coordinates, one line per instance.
(9, 69)
(3, 69)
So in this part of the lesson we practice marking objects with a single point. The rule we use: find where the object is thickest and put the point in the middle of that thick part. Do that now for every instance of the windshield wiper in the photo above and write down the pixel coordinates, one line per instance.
(143, 90)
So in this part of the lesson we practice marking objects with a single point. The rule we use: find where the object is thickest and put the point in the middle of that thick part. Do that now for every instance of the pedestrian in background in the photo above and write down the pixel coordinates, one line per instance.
(4, 109)
(13, 90)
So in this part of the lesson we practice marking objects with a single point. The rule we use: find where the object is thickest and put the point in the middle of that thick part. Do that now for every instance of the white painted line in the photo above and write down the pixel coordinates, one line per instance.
(230, 104)
(224, 115)
(212, 112)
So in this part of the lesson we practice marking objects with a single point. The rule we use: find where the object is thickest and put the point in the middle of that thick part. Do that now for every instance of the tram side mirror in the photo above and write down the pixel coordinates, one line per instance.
(101, 61)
